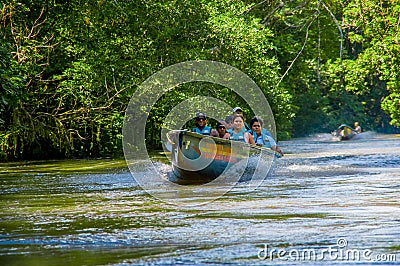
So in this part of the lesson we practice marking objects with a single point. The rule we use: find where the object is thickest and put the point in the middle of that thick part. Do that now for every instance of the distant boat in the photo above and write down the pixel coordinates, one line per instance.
(199, 159)
(344, 132)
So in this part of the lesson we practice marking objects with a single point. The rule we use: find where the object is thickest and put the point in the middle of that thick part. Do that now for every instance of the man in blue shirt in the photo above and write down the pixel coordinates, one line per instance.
(201, 127)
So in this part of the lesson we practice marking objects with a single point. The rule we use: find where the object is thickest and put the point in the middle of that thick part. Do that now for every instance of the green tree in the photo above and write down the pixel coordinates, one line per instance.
(69, 68)
(371, 71)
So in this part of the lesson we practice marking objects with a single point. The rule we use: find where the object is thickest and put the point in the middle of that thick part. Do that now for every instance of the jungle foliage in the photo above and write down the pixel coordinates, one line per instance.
(69, 68)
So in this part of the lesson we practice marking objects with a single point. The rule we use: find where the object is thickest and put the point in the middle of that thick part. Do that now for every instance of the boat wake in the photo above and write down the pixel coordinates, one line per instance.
(327, 137)
(323, 137)
(366, 135)
(255, 168)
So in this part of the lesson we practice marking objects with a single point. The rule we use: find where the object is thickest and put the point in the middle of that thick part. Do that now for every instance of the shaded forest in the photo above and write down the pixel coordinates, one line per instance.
(69, 68)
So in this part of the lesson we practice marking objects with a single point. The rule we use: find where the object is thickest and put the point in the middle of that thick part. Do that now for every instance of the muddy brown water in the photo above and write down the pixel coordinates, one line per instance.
(324, 202)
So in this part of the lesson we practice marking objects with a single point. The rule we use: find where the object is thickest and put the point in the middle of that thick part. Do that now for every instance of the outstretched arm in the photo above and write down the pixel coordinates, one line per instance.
(277, 149)
(249, 138)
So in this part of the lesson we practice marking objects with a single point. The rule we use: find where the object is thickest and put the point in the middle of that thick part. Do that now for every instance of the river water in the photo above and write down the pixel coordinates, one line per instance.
(324, 202)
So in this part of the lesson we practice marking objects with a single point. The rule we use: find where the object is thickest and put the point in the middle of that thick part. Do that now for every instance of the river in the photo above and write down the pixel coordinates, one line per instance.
(324, 202)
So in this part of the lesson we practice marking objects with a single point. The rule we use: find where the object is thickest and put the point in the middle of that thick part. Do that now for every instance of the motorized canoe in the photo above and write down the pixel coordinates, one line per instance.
(199, 159)
(344, 132)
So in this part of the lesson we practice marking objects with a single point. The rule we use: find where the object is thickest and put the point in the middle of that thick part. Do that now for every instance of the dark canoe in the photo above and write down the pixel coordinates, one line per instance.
(344, 132)
(198, 159)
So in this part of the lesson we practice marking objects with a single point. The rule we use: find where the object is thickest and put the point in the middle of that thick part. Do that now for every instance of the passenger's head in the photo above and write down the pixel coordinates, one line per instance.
(237, 110)
(221, 127)
(238, 122)
(201, 119)
(356, 124)
(256, 124)
(229, 121)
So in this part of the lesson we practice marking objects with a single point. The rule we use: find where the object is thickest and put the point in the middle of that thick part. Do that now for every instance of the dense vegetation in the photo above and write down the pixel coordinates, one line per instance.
(69, 68)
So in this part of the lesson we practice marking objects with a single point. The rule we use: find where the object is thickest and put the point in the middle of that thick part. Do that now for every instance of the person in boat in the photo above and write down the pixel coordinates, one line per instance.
(221, 130)
(201, 128)
(239, 132)
(357, 128)
(229, 122)
(262, 137)
(239, 111)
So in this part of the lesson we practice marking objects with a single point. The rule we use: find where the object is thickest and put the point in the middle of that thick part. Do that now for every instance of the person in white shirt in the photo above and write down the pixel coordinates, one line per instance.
(357, 128)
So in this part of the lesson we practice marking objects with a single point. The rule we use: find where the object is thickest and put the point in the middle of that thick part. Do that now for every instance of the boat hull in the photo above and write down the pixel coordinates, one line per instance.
(198, 159)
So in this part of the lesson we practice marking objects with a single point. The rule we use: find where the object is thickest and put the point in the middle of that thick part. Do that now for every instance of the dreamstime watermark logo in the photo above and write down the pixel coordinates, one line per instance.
(338, 252)
(151, 90)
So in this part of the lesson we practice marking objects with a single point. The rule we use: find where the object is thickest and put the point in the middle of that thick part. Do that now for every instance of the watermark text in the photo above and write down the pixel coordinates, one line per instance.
(338, 252)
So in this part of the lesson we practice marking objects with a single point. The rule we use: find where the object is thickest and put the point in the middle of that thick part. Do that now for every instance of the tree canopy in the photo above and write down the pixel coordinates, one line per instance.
(69, 68)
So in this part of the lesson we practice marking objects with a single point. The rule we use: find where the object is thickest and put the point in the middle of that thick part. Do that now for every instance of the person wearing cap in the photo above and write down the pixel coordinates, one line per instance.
(201, 128)
(237, 111)
(221, 130)
(262, 137)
